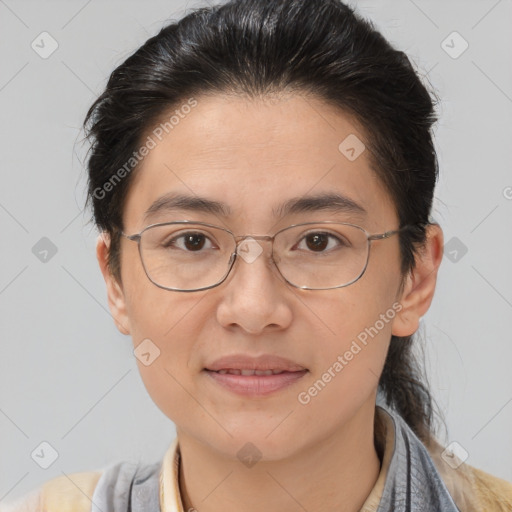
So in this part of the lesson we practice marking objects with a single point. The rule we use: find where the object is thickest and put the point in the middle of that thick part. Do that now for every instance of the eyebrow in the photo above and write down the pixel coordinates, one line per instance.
(327, 202)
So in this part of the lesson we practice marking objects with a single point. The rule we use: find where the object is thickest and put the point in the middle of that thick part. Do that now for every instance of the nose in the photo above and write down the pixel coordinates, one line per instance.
(254, 296)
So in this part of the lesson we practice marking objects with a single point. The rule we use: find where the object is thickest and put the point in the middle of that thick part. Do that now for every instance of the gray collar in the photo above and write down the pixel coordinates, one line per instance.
(413, 483)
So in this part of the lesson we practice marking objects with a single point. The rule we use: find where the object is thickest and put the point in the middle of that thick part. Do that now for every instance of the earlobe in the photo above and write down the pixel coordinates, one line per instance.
(115, 294)
(420, 283)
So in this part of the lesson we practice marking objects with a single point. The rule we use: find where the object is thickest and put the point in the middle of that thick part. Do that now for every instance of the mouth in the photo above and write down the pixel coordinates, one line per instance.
(235, 371)
(254, 376)
(254, 383)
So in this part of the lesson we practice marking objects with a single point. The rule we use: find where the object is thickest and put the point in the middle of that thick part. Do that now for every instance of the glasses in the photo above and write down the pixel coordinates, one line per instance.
(190, 256)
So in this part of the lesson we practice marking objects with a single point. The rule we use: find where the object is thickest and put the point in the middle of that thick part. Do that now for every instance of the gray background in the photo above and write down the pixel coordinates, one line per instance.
(69, 378)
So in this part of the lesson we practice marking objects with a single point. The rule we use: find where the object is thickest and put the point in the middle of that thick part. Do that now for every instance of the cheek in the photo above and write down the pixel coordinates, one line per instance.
(348, 363)
(164, 356)
(361, 331)
(357, 323)
(153, 312)
(166, 387)
(163, 327)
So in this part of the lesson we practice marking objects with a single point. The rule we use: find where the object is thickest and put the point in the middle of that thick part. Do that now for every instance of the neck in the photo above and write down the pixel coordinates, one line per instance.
(336, 473)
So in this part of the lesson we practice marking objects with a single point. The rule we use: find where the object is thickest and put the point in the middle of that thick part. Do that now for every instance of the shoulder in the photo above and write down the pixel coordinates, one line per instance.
(493, 493)
(472, 489)
(71, 492)
(122, 486)
(467, 488)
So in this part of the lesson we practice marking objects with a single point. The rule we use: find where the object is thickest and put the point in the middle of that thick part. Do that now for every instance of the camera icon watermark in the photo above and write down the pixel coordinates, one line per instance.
(249, 249)
(507, 193)
(146, 352)
(454, 455)
(351, 147)
(455, 249)
(44, 455)
(249, 455)
(44, 250)
(454, 45)
(44, 45)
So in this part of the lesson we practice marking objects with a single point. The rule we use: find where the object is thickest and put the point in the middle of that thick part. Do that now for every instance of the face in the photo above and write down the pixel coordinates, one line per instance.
(254, 155)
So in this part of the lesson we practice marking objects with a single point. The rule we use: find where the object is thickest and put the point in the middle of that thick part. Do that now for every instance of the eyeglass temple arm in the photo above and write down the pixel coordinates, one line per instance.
(133, 238)
(387, 234)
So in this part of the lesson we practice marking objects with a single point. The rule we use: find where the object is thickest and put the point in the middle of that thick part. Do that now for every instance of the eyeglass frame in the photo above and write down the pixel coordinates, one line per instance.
(136, 237)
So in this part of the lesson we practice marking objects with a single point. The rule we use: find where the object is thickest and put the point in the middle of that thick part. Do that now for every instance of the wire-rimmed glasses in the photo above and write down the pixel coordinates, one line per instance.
(192, 256)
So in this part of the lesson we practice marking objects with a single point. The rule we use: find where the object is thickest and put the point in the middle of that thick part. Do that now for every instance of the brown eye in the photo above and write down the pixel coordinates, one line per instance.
(317, 241)
(322, 242)
(190, 242)
(194, 242)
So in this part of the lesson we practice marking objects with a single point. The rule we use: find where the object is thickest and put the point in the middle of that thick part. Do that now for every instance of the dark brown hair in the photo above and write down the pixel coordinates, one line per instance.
(258, 48)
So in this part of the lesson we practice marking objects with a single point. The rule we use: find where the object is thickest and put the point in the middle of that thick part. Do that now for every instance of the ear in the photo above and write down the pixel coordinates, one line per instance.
(116, 300)
(420, 284)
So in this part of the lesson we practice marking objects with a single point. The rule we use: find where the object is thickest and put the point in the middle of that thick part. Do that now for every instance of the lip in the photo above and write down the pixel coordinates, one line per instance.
(245, 362)
(255, 385)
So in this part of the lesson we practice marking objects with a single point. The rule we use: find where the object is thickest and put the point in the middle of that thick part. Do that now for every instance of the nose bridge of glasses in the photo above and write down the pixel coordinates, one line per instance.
(249, 246)
(241, 238)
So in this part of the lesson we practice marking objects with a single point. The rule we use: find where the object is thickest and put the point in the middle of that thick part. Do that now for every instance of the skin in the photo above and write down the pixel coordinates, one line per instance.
(252, 155)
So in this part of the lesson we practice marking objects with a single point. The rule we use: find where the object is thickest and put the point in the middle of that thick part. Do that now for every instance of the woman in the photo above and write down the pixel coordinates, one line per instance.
(262, 174)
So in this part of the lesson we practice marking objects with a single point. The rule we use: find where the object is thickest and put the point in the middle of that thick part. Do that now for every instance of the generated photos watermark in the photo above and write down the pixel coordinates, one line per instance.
(357, 345)
(150, 143)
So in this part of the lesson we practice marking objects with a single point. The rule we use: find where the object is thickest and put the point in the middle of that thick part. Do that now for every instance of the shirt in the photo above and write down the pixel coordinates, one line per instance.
(413, 478)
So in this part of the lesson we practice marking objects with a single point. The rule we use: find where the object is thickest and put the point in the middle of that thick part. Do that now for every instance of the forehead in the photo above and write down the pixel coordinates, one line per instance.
(253, 155)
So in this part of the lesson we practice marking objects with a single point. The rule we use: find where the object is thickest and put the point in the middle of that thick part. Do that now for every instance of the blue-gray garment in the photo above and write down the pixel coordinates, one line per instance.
(127, 487)
(413, 483)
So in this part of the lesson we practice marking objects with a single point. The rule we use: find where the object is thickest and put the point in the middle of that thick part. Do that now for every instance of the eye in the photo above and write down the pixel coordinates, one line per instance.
(320, 241)
(190, 242)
